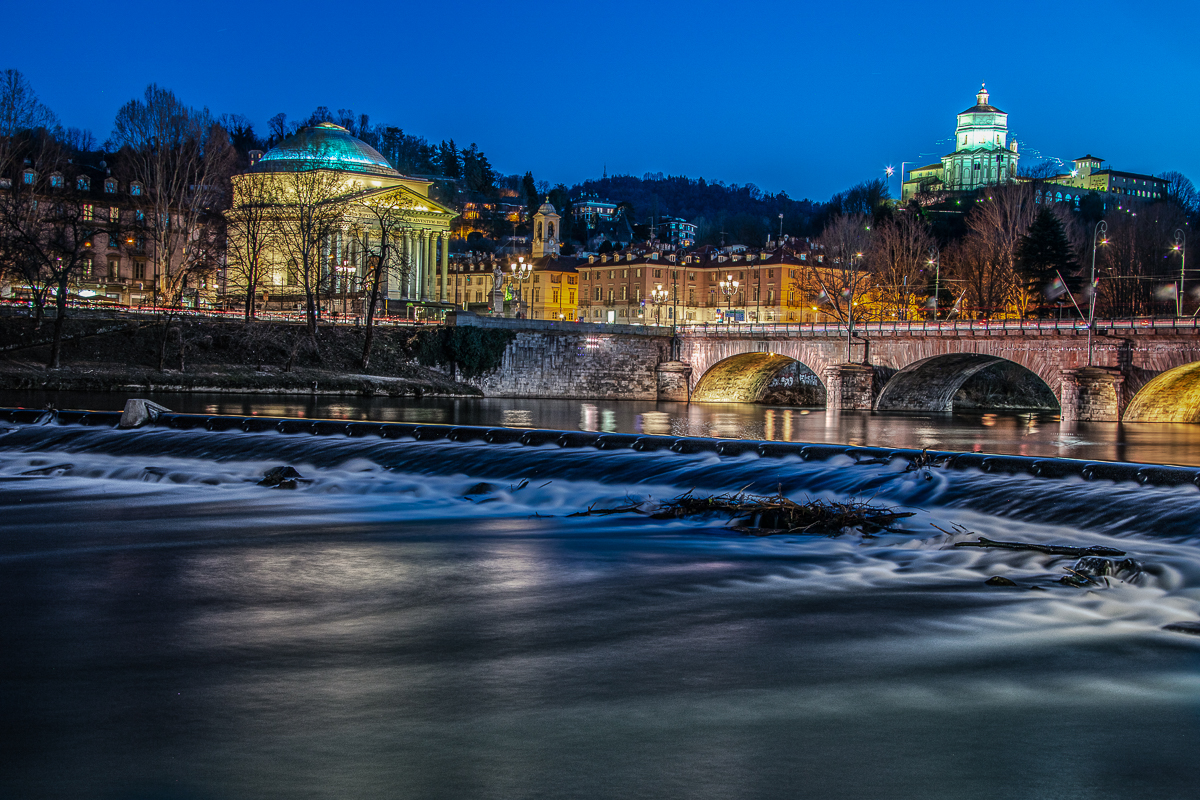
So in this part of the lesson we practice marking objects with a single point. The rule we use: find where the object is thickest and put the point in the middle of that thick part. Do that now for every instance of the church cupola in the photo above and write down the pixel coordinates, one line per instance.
(982, 98)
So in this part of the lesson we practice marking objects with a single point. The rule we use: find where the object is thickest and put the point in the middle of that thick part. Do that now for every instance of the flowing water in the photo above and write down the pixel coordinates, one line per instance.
(1012, 432)
(391, 629)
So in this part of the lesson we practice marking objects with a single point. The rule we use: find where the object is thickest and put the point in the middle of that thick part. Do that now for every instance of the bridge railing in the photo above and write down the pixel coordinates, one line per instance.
(946, 327)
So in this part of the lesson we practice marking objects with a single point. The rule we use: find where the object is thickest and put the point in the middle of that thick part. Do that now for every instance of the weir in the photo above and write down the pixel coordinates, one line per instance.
(907, 459)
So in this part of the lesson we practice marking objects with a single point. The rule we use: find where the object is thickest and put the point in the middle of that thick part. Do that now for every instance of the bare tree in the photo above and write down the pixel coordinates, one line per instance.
(46, 229)
(996, 224)
(1182, 192)
(250, 234)
(899, 250)
(20, 110)
(309, 212)
(388, 215)
(842, 279)
(981, 275)
(179, 160)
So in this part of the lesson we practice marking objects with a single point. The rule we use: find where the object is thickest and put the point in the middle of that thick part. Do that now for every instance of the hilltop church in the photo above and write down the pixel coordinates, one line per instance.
(983, 155)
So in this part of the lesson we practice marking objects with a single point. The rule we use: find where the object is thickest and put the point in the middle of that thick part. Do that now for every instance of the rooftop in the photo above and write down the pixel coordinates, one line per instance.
(326, 146)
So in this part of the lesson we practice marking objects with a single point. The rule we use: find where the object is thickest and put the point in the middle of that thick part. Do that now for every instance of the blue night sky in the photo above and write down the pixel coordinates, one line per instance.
(799, 96)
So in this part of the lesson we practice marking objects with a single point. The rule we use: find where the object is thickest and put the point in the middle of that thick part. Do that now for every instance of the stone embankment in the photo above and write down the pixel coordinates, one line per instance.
(214, 356)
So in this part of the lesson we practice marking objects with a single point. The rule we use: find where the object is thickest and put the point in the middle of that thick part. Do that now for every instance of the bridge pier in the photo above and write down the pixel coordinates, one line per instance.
(849, 387)
(674, 378)
(1091, 394)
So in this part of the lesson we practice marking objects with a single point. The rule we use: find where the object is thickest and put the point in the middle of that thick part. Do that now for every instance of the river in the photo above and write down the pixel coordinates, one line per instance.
(1008, 432)
(392, 629)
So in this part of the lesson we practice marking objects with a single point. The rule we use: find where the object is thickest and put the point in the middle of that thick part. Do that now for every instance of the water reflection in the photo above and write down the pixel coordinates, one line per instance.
(994, 432)
(516, 418)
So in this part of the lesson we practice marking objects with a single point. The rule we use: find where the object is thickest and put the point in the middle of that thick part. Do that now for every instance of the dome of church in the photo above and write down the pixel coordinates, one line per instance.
(547, 208)
(325, 145)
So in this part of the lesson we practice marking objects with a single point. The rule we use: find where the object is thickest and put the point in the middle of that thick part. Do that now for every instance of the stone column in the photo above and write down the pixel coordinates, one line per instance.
(430, 261)
(407, 256)
(674, 378)
(1091, 394)
(849, 387)
(447, 296)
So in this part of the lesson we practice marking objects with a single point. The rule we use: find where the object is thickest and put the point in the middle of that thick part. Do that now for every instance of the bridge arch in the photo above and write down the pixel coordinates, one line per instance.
(932, 383)
(745, 377)
(1172, 396)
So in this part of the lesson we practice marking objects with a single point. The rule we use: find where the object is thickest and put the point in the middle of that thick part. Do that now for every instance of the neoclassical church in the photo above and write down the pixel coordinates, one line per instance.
(983, 154)
(353, 177)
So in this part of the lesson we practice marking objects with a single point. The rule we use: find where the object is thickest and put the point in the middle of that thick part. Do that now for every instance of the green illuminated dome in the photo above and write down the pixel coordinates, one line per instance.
(325, 145)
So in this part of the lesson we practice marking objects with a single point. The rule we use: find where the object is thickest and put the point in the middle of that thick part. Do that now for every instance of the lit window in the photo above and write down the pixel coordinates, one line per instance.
(82, 183)
(56, 181)
(110, 186)
(28, 177)
(88, 211)
(114, 214)
(135, 189)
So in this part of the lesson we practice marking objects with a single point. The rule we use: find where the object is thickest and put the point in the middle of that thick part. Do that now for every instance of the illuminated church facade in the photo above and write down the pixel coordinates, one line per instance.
(983, 154)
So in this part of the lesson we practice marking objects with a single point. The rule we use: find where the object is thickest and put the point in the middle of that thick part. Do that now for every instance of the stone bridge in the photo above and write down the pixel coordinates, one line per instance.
(1145, 371)
(1142, 371)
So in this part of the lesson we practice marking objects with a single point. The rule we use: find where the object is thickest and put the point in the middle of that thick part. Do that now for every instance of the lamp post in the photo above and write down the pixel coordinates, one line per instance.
(729, 288)
(1180, 247)
(850, 304)
(520, 272)
(1099, 237)
(658, 296)
(935, 260)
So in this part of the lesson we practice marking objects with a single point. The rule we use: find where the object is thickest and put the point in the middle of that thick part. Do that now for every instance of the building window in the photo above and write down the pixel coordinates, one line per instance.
(28, 177)
(56, 181)
(135, 189)
(114, 214)
(114, 268)
(87, 212)
(598, 296)
(87, 266)
(555, 297)
(110, 186)
(82, 183)
(112, 241)
(139, 270)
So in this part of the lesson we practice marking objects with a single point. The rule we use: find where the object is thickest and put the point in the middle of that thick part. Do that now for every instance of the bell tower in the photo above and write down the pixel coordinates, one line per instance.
(545, 231)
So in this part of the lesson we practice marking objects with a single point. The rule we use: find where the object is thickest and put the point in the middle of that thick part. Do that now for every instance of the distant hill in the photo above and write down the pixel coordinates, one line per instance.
(745, 213)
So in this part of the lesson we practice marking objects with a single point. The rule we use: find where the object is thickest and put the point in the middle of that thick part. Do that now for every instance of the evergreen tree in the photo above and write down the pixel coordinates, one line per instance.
(1044, 254)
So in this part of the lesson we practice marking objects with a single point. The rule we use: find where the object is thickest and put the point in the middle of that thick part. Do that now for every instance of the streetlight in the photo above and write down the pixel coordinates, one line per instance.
(1180, 247)
(850, 304)
(935, 260)
(520, 272)
(729, 288)
(1099, 236)
(658, 296)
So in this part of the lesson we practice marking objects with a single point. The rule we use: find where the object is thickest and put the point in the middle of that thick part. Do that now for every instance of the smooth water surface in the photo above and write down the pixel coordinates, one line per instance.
(1008, 432)
(392, 629)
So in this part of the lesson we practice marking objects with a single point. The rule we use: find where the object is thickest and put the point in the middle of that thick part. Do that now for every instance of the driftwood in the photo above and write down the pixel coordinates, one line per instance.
(759, 515)
(1050, 549)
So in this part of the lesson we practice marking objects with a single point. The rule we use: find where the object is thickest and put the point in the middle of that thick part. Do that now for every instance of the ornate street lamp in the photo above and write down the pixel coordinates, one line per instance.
(729, 288)
(521, 272)
(1099, 237)
(658, 296)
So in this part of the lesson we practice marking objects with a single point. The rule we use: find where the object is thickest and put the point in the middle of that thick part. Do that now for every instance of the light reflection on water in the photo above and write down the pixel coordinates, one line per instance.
(1031, 434)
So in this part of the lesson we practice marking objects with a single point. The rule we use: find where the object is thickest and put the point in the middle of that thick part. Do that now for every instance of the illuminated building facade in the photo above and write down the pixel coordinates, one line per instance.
(983, 155)
(354, 176)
